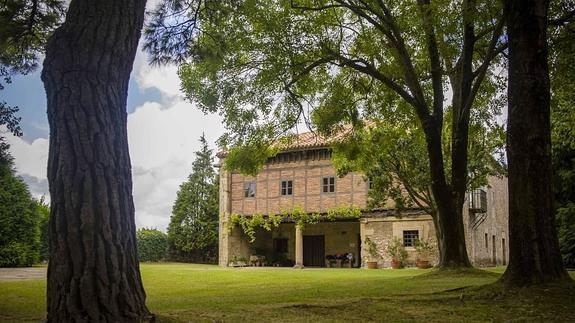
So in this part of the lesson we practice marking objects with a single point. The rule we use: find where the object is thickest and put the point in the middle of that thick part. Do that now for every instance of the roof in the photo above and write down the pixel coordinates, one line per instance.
(305, 141)
(311, 139)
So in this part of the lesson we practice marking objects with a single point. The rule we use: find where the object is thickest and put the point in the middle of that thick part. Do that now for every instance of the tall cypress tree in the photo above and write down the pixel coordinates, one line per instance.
(19, 217)
(193, 229)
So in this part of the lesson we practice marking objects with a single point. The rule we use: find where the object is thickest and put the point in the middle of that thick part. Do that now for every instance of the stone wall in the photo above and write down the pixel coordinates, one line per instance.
(486, 233)
(382, 230)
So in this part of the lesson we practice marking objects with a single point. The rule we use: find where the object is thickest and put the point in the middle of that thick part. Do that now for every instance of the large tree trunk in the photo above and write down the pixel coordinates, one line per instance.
(448, 220)
(452, 244)
(533, 247)
(93, 271)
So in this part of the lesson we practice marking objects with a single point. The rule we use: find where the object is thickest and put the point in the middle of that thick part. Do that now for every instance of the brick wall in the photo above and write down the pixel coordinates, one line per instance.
(307, 172)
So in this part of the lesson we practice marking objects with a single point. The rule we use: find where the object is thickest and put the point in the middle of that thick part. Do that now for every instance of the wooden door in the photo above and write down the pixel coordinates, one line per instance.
(313, 251)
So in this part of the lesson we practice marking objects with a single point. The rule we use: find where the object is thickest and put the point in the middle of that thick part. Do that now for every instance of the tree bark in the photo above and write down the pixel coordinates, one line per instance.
(533, 246)
(449, 197)
(449, 218)
(93, 271)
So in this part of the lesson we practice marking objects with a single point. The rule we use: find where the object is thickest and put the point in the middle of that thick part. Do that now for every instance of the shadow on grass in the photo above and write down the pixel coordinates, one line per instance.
(456, 273)
(551, 303)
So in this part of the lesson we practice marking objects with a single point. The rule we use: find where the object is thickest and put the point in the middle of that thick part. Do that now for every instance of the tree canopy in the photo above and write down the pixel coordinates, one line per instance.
(25, 26)
(393, 159)
(269, 66)
(20, 218)
(562, 68)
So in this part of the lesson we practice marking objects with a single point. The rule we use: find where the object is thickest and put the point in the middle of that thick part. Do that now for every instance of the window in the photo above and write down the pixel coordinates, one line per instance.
(287, 187)
(328, 185)
(250, 189)
(409, 238)
(486, 242)
(281, 245)
(369, 183)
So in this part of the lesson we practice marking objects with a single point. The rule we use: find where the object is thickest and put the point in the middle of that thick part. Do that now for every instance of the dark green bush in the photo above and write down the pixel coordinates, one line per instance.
(19, 218)
(17, 254)
(152, 244)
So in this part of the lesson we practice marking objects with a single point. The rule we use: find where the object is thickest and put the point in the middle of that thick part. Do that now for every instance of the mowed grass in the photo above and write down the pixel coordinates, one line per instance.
(186, 292)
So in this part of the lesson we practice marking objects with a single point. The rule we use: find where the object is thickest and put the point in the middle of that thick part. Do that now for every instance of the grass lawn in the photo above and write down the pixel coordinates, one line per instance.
(185, 292)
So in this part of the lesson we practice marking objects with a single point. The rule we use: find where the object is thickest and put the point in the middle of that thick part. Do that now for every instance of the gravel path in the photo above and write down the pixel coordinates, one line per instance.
(11, 274)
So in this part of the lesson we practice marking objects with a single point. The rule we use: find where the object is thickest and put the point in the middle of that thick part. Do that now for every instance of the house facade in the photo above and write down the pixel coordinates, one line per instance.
(302, 176)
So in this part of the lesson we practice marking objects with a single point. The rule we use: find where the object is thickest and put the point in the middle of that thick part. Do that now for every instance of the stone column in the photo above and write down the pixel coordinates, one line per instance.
(225, 208)
(298, 247)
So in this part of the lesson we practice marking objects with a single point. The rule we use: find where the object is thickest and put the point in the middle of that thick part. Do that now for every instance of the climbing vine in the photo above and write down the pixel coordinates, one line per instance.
(249, 223)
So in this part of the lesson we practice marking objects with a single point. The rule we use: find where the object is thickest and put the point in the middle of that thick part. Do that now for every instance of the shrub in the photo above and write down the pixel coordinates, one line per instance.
(17, 254)
(19, 218)
(372, 249)
(424, 249)
(396, 250)
(152, 244)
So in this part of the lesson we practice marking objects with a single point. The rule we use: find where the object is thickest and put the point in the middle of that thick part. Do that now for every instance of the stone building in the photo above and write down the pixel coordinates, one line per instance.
(302, 176)
(486, 232)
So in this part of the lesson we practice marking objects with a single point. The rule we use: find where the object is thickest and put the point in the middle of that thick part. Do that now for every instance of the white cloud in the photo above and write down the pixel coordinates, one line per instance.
(164, 78)
(31, 161)
(30, 157)
(163, 137)
(163, 140)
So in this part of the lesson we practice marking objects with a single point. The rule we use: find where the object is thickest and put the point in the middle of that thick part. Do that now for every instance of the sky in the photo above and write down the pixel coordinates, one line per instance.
(163, 133)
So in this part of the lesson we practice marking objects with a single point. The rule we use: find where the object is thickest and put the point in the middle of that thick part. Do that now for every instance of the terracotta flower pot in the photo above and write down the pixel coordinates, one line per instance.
(372, 265)
(395, 264)
(422, 264)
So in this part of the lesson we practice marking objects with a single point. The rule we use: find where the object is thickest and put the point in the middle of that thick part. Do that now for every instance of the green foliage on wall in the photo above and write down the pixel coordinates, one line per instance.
(249, 223)
(152, 244)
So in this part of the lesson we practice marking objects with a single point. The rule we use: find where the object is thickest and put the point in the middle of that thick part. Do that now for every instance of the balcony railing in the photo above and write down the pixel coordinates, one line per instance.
(478, 201)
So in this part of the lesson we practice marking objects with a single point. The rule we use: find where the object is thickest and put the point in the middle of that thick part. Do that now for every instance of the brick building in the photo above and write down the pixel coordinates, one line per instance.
(302, 176)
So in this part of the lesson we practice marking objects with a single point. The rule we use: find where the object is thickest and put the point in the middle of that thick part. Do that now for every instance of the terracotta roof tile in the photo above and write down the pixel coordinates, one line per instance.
(305, 140)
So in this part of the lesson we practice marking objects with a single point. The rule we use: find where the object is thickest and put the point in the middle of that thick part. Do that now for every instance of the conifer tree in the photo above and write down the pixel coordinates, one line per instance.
(193, 229)
(19, 217)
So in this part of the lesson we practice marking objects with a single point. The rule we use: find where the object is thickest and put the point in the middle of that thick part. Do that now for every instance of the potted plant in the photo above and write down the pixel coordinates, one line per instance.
(424, 251)
(373, 252)
(397, 252)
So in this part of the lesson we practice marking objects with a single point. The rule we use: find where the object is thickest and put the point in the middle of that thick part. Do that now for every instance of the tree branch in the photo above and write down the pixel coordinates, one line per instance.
(561, 21)
(435, 59)
(365, 67)
(307, 70)
(492, 52)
